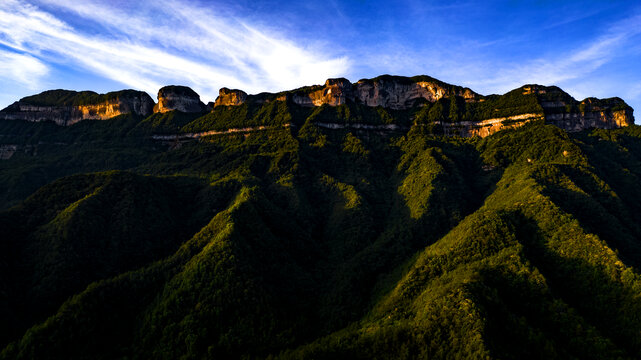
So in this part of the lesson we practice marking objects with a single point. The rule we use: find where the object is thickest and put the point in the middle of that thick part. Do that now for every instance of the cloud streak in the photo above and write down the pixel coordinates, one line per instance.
(23, 69)
(188, 45)
(569, 65)
(148, 44)
(506, 63)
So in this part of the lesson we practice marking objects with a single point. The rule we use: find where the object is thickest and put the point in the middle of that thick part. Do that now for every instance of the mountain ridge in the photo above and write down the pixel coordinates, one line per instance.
(463, 111)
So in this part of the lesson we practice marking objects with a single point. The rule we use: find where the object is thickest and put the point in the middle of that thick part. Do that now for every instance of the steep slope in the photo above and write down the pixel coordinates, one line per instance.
(45, 152)
(345, 243)
(522, 277)
(89, 227)
(337, 221)
(34, 154)
(179, 98)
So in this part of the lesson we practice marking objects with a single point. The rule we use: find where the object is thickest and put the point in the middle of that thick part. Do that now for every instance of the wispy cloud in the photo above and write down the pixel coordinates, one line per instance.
(568, 64)
(148, 44)
(507, 63)
(172, 42)
(23, 69)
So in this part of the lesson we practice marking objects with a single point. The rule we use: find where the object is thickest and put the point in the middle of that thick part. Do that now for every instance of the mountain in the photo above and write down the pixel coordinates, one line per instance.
(336, 221)
(179, 98)
(65, 107)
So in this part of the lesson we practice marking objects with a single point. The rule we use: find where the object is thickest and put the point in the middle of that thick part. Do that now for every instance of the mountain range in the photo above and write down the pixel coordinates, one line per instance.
(394, 217)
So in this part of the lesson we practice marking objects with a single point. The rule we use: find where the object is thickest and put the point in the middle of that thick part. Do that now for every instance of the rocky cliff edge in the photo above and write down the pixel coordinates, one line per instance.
(394, 92)
(65, 107)
(179, 98)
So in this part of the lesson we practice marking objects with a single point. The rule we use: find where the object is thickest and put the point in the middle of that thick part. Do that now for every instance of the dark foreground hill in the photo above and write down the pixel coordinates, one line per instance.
(308, 241)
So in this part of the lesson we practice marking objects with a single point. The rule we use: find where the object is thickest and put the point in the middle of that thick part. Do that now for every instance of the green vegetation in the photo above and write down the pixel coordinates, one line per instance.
(75, 98)
(455, 109)
(169, 122)
(179, 90)
(275, 113)
(509, 104)
(302, 242)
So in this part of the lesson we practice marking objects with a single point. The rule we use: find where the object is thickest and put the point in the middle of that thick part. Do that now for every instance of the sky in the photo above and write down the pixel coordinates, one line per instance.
(588, 48)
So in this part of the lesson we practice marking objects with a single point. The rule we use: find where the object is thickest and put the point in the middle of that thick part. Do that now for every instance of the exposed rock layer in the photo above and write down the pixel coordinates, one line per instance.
(483, 115)
(569, 114)
(230, 97)
(487, 127)
(179, 98)
(394, 92)
(400, 93)
(78, 107)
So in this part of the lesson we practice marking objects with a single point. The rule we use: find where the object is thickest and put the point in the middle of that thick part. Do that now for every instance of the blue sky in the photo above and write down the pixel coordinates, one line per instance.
(589, 48)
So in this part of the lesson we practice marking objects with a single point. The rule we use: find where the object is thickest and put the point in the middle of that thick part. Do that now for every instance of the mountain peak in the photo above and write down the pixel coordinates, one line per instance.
(182, 98)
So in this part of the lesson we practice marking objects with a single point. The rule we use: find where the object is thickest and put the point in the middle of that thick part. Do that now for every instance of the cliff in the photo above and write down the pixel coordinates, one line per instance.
(408, 101)
(564, 111)
(179, 98)
(486, 127)
(394, 92)
(397, 92)
(230, 97)
(455, 110)
(65, 107)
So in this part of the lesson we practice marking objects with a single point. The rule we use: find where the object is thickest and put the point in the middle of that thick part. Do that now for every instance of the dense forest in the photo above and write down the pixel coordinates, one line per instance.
(302, 242)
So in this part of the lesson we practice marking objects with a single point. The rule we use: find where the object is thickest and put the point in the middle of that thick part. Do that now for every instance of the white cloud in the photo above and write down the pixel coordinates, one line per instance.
(570, 65)
(172, 42)
(150, 44)
(497, 68)
(25, 70)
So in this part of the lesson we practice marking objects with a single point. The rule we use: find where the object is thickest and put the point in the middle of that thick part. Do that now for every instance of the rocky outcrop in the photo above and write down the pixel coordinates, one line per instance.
(197, 135)
(335, 92)
(394, 92)
(603, 119)
(564, 111)
(229, 97)
(179, 98)
(69, 107)
(400, 93)
(453, 109)
(530, 102)
(487, 127)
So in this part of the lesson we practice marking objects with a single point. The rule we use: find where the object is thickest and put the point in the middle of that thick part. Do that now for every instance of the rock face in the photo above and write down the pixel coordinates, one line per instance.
(546, 103)
(335, 92)
(394, 92)
(564, 111)
(229, 97)
(400, 93)
(454, 110)
(69, 107)
(487, 127)
(179, 98)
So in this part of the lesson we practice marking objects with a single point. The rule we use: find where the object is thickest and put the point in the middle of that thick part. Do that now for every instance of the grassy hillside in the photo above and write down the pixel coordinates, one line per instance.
(303, 242)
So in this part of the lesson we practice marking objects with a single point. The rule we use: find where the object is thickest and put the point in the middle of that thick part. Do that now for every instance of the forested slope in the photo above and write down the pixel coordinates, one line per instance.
(308, 242)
